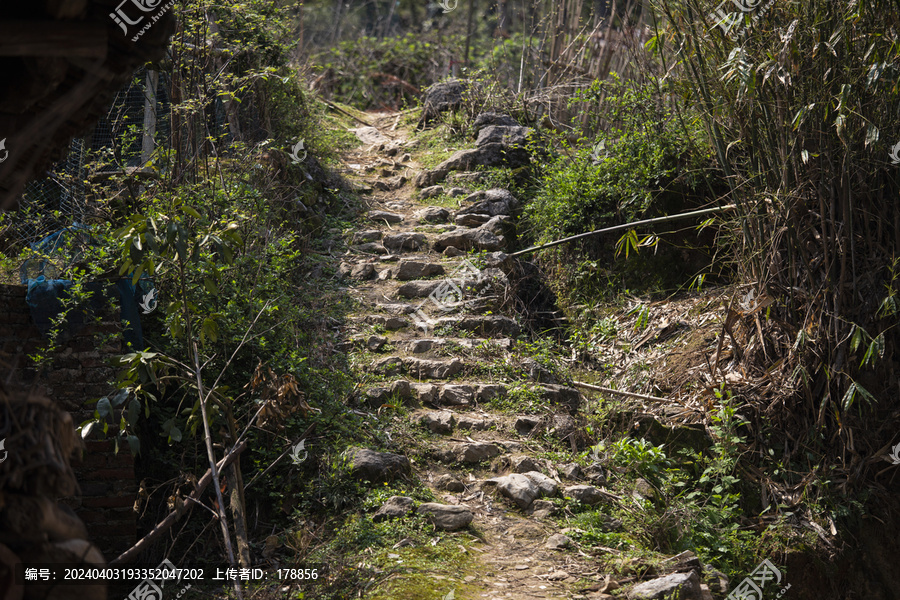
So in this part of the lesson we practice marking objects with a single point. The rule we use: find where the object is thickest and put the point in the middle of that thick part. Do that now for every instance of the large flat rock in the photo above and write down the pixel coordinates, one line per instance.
(414, 269)
(383, 215)
(404, 240)
(432, 369)
(677, 586)
(465, 238)
(376, 466)
(473, 452)
(446, 517)
(518, 488)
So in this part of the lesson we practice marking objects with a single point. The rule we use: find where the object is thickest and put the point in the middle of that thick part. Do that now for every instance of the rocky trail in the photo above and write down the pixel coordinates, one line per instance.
(435, 331)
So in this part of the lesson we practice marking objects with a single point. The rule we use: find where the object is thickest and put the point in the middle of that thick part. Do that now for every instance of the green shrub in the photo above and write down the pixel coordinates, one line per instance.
(370, 72)
(640, 162)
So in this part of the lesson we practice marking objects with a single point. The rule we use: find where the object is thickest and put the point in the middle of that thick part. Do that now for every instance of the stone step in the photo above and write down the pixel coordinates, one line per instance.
(418, 367)
(465, 394)
(459, 282)
(491, 202)
(362, 271)
(436, 394)
(370, 248)
(363, 237)
(471, 220)
(444, 421)
(397, 309)
(432, 214)
(464, 238)
(408, 270)
(485, 325)
(405, 240)
(419, 289)
(433, 344)
(391, 322)
(373, 343)
(469, 452)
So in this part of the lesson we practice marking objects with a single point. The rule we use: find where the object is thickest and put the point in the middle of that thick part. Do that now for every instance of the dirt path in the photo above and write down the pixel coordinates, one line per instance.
(393, 265)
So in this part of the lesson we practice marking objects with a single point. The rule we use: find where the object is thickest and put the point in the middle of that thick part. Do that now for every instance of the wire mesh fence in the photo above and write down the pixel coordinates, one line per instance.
(117, 142)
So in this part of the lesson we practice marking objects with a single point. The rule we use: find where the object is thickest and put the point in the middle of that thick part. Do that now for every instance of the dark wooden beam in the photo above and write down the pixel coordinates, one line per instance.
(53, 38)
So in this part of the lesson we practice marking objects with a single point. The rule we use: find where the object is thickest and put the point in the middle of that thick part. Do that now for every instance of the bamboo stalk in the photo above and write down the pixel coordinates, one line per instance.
(607, 390)
(666, 219)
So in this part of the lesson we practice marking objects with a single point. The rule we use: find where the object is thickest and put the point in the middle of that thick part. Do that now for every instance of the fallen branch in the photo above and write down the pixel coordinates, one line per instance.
(666, 219)
(344, 112)
(598, 388)
(164, 525)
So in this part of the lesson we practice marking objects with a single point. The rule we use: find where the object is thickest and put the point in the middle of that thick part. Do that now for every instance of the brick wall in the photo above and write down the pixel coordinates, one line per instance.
(78, 372)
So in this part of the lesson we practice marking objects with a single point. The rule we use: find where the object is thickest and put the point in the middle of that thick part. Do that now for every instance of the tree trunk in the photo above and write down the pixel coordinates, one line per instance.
(238, 514)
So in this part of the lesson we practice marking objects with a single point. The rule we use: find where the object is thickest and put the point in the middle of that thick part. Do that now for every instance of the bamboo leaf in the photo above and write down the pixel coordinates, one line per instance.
(888, 307)
(849, 397)
(869, 398)
(872, 134)
(874, 74)
(856, 339)
(874, 351)
(839, 125)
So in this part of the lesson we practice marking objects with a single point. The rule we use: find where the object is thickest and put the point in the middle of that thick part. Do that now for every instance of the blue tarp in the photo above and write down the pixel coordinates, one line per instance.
(46, 294)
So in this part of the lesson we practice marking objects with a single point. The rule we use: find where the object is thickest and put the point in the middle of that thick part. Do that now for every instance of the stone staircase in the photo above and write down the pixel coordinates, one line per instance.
(426, 316)
(434, 334)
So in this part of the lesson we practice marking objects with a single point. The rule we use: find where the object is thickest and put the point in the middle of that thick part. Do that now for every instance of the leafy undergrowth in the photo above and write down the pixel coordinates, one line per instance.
(685, 462)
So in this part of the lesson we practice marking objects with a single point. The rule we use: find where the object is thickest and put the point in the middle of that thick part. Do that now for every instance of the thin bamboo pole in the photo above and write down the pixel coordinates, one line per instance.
(666, 219)
(607, 390)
